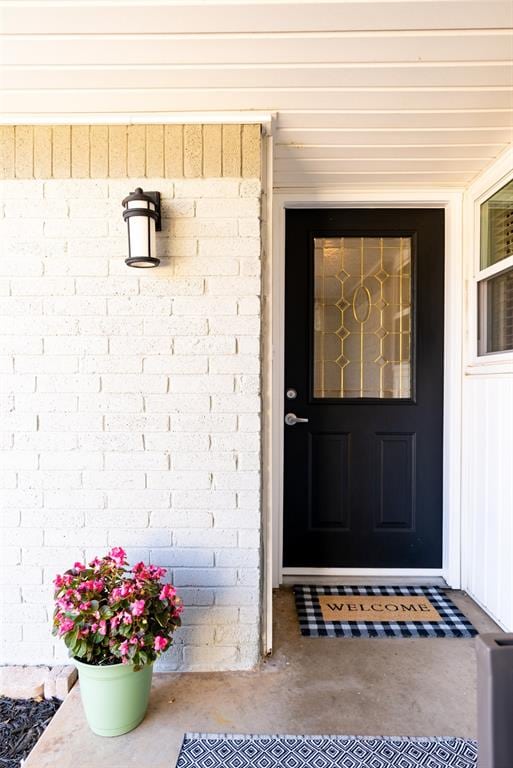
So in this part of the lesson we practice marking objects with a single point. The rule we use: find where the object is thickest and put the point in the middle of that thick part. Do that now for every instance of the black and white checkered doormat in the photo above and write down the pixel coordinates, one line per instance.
(312, 624)
(203, 750)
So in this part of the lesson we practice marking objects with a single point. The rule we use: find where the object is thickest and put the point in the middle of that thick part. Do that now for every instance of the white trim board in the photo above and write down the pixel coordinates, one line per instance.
(267, 394)
(451, 201)
(384, 577)
(265, 119)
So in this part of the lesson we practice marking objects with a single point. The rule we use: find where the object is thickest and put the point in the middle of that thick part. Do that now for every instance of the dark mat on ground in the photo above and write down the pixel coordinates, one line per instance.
(22, 721)
(201, 750)
(358, 611)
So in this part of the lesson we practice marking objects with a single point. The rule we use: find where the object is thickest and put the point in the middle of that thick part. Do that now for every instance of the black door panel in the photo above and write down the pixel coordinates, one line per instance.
(364, 352)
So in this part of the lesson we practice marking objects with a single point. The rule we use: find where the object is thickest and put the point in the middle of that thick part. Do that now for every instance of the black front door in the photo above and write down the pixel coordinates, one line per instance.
(364, 306)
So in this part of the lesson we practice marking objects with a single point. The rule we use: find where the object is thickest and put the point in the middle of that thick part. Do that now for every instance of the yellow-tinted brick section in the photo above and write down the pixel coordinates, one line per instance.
(6, 151)
(43, 149)
(154, 150)
(118, 151)
(192, 151)
(173, 151)
(212, 151)
(61, 159)
(99, 151)
(136, 156)
(80, 151)
(24, 151)
(251, 160)
(232, 164)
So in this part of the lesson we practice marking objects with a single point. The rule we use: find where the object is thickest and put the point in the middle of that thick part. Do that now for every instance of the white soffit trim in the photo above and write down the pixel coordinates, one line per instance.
(122, 118)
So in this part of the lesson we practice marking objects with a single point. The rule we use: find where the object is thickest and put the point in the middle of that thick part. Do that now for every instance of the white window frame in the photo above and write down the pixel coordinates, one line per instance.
(499, 174)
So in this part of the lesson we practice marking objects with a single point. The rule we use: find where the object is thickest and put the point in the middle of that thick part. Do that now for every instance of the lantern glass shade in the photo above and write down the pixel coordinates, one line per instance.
(142, 215)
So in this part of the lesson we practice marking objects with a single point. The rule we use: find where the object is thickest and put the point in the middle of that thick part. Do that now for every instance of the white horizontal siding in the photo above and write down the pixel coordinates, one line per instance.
(260, 75)
(382, 120)
(377, 79)
(301, 48)
(178, 100)
(233, 15)
(488, 493)
(371, 165)
(469, 152)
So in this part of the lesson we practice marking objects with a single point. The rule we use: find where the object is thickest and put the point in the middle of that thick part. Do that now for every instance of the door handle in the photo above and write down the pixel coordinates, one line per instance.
(291, 419)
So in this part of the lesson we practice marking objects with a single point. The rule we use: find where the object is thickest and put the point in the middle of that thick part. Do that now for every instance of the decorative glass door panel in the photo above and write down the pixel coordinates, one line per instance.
(362, 317)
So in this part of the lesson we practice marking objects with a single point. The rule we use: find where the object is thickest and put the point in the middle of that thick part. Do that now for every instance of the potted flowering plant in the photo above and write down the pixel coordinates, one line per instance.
(115, 621)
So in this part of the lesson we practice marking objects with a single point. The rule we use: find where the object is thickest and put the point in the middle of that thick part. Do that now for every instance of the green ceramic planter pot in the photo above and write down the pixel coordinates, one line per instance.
(114, 698)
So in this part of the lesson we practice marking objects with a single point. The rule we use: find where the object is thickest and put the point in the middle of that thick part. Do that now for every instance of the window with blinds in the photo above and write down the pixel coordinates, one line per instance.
(497, 227)
(496, 305)
(495, 291)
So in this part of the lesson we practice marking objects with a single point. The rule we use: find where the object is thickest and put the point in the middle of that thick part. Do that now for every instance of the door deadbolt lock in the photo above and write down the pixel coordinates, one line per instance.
(291, 394)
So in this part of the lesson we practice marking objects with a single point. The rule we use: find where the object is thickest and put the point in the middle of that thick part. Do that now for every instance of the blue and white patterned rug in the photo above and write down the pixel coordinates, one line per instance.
(203, 750)
(312, 623)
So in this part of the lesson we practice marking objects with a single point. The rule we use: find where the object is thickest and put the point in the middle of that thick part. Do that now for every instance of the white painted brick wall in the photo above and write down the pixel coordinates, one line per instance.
(130, 406)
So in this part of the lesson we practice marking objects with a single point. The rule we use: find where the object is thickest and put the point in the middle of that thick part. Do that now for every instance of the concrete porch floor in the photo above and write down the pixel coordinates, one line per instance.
(398, 687)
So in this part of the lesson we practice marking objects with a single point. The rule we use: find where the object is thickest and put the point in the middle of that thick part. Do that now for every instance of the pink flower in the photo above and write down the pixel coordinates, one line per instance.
(115, 595)
(157, 573)
(119, 593)
(127, 619)
(66, 605)
(118, 555)
(153, 572)
(123, 648)
(103, 628)
(66, 626)
(138, 607)
(79, 566)
(114, 622)
(63, 581)
(160, 643)
(167, 592)
(177, 611)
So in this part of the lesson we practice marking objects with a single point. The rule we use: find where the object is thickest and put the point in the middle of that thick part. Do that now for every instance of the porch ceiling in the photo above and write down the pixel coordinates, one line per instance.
(367, 92)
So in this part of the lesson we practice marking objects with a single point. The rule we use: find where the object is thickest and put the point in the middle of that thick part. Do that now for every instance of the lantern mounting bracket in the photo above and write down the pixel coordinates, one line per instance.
(155, 196)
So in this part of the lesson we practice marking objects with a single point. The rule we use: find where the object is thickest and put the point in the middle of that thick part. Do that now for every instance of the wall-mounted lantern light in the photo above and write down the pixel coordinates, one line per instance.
(142, 215)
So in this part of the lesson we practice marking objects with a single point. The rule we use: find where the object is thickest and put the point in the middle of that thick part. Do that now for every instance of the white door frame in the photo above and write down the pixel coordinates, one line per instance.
(274, 371)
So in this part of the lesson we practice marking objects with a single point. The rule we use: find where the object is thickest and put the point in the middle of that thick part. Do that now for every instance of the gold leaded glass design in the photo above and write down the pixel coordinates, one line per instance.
(362, 317)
